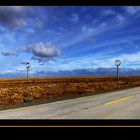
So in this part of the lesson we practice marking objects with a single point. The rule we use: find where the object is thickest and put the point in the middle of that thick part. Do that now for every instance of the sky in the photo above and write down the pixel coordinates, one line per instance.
(67, 38)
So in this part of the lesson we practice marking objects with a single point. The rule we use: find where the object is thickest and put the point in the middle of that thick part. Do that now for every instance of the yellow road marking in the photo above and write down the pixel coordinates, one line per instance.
(115, 101)
(28, 107)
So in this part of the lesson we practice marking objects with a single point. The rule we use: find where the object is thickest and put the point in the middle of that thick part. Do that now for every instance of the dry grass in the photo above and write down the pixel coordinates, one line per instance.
(15, 90)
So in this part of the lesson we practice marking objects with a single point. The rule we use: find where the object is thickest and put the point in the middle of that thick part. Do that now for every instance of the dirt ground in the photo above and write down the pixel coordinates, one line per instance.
(16, 90)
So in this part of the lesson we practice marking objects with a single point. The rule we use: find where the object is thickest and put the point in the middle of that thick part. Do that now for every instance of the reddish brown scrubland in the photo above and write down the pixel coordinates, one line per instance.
(16, 90)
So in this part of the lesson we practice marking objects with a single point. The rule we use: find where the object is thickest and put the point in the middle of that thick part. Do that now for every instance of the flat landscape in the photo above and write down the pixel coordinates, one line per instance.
(18, 91)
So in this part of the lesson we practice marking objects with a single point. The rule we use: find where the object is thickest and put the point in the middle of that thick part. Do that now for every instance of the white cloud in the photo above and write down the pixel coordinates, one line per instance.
(42, 52)
(101, 59)
(127, 59)
(87, 29)
(20, 70)
(8, 53)
(120, 18)
(39, 23)
(74, 18)
(7, 72)
(108, 12)
(102, 25)
(131, 9)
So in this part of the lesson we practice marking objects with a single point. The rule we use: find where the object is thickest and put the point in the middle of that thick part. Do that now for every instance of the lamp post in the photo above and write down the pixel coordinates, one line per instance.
(117, 63)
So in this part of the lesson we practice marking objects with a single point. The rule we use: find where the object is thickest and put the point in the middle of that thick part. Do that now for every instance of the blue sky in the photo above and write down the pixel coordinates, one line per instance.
(54, 38)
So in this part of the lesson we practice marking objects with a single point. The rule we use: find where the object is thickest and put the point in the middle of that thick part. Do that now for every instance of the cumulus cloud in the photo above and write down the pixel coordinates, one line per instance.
(42, 52)
(8, 53)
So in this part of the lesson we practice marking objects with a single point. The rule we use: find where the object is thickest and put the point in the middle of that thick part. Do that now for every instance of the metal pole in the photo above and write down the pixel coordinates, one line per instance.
(117, 72)
(27, 73)
(117, 63)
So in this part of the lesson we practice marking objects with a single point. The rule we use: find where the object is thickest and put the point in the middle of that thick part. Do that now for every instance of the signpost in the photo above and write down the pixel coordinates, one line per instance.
(117, 63)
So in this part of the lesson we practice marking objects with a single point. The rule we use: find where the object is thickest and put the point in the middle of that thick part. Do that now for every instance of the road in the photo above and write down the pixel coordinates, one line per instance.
(124, 104)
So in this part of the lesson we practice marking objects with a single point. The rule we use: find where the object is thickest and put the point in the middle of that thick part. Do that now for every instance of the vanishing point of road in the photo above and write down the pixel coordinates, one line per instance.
(123, 104)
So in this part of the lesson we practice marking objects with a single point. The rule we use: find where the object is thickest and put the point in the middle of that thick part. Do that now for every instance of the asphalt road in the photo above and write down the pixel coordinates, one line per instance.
(124, 104)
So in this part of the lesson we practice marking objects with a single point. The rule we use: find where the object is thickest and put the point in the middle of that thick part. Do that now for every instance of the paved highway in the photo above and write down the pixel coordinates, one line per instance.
(124, 104)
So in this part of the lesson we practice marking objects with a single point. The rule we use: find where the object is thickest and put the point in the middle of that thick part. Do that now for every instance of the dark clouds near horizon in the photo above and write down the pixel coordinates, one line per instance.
(90, 72)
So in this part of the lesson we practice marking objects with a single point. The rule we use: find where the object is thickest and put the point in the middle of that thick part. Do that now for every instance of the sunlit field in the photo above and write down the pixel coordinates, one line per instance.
(17, 90)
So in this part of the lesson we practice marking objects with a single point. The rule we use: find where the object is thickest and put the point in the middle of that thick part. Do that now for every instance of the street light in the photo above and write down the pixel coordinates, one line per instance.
(117, 63)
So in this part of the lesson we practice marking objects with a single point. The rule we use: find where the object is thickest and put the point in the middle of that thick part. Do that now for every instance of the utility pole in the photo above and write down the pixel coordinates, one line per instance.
(117, 63)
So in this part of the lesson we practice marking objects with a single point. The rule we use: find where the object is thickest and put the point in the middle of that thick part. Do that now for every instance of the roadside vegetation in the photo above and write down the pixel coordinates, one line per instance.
(16, 90)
